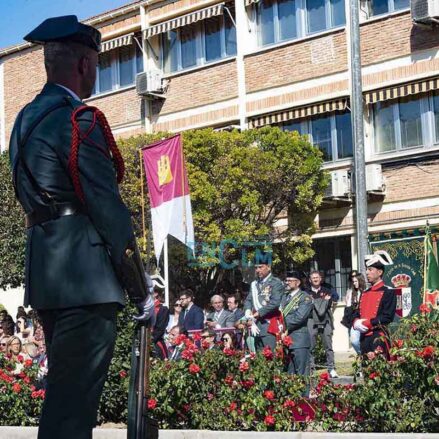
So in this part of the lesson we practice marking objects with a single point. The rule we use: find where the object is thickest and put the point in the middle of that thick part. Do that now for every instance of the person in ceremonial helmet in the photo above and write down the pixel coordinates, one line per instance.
(377, 306)
(261, 306)
(296, 306)
(81, 254)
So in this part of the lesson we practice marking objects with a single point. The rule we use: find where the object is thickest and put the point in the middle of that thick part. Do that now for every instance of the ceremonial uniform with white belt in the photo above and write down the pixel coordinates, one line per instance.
(264, 298)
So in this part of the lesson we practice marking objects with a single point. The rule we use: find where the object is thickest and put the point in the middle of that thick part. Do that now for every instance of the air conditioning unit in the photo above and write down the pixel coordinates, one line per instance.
(149, 83)
(339, 185)
(375, 179)
(425, 11)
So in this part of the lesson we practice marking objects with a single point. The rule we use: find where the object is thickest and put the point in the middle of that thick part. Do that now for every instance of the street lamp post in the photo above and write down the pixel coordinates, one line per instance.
(358, 134)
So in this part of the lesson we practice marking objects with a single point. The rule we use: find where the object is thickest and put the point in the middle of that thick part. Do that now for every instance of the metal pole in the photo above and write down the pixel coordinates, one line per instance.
(358, 135)
(166, 270)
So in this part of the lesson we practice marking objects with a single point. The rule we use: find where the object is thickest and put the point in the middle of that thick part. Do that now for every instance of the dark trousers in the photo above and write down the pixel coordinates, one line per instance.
(265, 340)
(326, 333)
(371, 342)
(80, 343)
(299, 362)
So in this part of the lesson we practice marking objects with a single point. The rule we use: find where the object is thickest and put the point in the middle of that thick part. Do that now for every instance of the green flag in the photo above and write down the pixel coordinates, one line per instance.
(431, 274)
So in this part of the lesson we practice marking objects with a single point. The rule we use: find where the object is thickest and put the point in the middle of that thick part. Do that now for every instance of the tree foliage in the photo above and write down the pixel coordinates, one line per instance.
(12, 230)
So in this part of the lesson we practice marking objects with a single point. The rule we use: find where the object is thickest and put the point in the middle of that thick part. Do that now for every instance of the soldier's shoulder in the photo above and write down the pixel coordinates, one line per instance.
(305, 296)
(276, 281)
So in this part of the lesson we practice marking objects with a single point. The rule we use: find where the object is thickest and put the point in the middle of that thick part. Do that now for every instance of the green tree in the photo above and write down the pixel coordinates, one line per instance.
(12, 230)
(240, 184)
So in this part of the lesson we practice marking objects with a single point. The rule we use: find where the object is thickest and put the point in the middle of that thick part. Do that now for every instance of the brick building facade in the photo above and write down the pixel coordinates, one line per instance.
(248, 63)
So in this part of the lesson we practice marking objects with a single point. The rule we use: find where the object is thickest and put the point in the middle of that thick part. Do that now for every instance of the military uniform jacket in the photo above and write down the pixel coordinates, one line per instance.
(269, 294)
(322, 309)
(296, 317)
(377, 306)
(69, 260)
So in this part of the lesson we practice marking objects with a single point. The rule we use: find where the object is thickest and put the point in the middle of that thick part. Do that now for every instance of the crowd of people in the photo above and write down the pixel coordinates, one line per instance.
(298, 309)
(23, 339)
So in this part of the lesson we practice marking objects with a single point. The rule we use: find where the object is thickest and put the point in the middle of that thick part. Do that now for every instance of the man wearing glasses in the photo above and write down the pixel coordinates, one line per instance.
(296, 306)
(192, 317)
(220, 317)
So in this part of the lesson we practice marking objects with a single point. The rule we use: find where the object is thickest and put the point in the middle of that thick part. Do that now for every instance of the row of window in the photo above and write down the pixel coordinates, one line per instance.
(215, 38)
(118, 68)
(198, 43)
(397, 125)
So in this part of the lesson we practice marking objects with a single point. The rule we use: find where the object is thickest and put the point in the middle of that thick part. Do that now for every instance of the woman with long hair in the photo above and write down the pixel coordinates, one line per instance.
(357, 284)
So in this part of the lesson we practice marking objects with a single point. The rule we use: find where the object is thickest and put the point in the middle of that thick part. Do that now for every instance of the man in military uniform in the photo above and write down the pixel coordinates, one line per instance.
(296, 305)
(261, 307)
(377, 306)
(81, 252)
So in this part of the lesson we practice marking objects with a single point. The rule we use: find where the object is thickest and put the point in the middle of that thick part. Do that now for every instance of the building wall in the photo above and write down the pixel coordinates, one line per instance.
(24, 76)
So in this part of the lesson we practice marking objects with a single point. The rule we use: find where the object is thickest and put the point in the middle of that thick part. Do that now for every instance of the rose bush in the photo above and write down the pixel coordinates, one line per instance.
(230, 390)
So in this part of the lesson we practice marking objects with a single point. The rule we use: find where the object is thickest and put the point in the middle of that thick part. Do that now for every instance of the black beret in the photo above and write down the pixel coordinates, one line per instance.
(64, 29)
(294, 275)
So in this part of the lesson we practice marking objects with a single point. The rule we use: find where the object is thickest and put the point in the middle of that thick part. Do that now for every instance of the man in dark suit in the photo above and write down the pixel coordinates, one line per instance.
(192, 316)
(233, 306)
(261, 307)
(296, 305)
(321, 322)
(81, 252)
(220, 317)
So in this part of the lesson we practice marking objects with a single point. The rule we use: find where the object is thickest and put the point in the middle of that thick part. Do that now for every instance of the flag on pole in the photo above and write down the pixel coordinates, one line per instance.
(431, 271)
(168, 187)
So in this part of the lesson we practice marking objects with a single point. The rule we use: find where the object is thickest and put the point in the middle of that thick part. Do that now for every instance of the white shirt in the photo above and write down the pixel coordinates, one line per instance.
(293, 293)
(72, 93)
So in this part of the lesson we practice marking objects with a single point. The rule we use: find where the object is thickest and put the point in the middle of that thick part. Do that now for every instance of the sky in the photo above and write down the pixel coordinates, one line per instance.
(19, 17)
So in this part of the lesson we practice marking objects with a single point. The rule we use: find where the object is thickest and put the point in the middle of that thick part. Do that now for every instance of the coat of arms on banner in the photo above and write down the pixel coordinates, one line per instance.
(403, 293)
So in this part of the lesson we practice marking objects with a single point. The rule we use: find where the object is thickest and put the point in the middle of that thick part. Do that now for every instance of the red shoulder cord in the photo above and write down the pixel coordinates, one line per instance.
(78, 137)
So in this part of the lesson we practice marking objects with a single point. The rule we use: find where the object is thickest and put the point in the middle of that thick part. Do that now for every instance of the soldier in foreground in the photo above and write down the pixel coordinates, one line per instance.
(81, 252)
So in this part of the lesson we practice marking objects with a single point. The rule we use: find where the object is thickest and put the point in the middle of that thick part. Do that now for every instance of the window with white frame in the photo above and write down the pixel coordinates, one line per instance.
(282, 20)
(331, 133)
(378, 7)
(406, 123)
(118, 68)
(199, 43)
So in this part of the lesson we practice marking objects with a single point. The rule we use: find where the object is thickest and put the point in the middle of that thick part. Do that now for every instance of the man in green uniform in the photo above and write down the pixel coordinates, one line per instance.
(261, 307)
(296, 305)
(81, 252)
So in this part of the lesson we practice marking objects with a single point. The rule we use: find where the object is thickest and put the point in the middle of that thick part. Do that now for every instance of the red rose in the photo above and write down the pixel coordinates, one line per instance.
(287, 341)
(289, 404)
(244, 366)
(26, 380)
(122, 374)
(267, 353)
(180, 339)
(399, 343)
(373, 375)
(277, 379)
(20, 358)
(269, 420)
(269, 394)
(252, 355)
(187, 355)
(247, 384)
(186, 407)
(228, 380)
(197, 336)
(152, 404)
(16, 388)
(28, 363)
(324, 376)
(228, 352)
(194, 368)
(21, 375)
(427, 352)
(232, 406)
(424, 308)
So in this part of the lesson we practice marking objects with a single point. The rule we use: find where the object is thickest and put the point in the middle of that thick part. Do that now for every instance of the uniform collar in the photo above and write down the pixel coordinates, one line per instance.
(378, 286)
(262, 281)
(71, 92)
(294, 293)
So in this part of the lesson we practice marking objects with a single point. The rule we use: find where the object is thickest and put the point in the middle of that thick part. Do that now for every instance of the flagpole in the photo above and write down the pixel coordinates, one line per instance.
(183, 180)
(427, 236)
(166, 270)
(143, 202)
